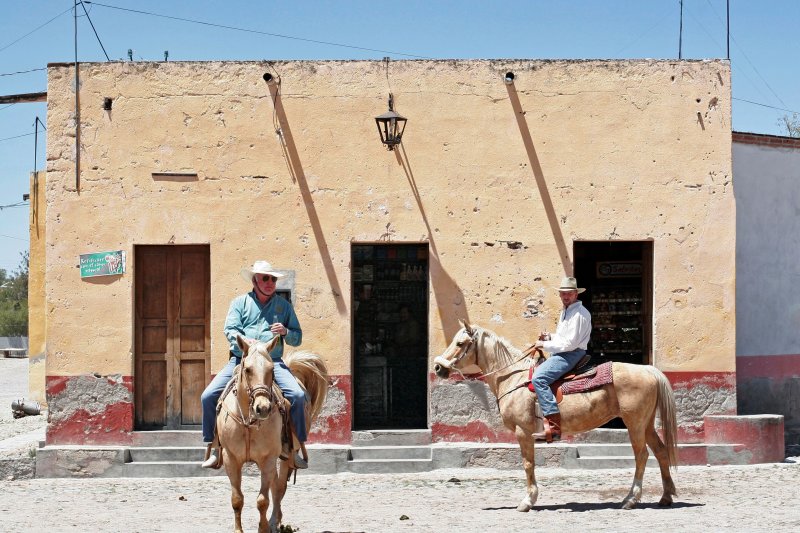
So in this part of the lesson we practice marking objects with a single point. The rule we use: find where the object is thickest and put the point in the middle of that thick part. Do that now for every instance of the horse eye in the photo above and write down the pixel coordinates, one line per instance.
(460, 344)
(248, 370)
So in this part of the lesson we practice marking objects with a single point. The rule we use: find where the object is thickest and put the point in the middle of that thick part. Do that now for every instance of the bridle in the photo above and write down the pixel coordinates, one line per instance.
(473, 340)
(252, 394)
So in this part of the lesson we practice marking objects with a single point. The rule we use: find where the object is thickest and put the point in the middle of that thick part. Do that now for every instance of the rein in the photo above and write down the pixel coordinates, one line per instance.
(525, 354)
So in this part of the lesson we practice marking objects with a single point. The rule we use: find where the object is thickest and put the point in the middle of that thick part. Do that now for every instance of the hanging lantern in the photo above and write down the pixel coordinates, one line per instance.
(391, 126)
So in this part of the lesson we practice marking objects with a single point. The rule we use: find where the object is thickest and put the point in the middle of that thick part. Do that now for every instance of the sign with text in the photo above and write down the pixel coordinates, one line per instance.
(102, 264)
(619, 269)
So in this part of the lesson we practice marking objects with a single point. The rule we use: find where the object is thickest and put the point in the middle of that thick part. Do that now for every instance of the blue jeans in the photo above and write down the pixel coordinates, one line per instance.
(283, 377)
(548, 372)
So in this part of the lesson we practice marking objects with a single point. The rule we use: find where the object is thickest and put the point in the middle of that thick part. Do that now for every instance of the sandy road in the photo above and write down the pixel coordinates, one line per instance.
(741, 498)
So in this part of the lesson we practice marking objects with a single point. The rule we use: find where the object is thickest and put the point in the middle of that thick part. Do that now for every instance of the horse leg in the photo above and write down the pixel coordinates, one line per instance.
(639, 446)
(234, 471)
(267, 468)
(526, 445)
(660, 451)
(280, 480)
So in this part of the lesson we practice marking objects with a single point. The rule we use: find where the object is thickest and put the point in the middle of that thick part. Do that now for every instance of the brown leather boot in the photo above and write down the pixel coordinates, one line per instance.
(552, 429)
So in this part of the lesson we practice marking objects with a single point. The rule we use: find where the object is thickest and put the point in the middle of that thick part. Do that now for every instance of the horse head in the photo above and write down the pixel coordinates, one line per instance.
(460, 354)
(256, 375)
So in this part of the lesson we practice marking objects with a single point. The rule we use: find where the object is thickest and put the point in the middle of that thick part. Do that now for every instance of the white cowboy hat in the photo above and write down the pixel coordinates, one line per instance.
(259, 267)
(570, 284)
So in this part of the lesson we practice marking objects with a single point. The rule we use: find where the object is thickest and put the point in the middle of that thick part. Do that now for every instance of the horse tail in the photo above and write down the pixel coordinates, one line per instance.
(310, 370)
(666, 411)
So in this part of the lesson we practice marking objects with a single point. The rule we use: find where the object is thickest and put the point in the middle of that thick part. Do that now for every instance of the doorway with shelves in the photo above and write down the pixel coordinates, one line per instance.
(390, 335)
(618, 278)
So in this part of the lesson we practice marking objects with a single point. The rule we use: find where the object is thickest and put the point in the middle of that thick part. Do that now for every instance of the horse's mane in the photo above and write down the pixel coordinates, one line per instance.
(505, 354)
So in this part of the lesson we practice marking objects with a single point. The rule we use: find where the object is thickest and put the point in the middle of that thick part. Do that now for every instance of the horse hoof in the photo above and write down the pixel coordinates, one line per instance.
(629, 504)
(665, 502)
(524, 506)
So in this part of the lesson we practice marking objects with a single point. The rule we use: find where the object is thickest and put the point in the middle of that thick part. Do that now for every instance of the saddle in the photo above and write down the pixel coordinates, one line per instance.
(583, 370)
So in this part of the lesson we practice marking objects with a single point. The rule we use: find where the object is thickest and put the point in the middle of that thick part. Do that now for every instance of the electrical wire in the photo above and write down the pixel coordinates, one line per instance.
(94, 30)
(15, 238)
(747, 58)
(22, 71)
(765, 105)
(17, 136)
(279, 35)
(35, 29)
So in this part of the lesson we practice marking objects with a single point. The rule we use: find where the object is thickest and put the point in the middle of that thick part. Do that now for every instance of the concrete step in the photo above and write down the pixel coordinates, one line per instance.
(373, 453)
(392, 437)
(595, 450)
(150, 469)
(165, 454)
(389, 466)
(173, 437)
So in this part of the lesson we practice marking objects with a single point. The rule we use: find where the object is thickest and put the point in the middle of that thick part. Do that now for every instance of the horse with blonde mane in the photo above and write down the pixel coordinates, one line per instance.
(637, 394)
(250, 424)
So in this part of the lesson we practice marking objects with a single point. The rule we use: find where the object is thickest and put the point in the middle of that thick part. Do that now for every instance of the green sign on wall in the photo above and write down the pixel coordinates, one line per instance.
(102, 264)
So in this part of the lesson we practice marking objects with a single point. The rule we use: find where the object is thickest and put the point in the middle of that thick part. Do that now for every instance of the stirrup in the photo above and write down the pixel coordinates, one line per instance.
(211, 462)
(299, 462)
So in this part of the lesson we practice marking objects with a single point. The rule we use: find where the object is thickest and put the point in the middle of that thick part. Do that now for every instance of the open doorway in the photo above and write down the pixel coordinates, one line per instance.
(618, 277)
(390, 336)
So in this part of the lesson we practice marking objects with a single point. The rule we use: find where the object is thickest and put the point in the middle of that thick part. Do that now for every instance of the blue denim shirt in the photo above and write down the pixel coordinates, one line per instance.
(249, 318)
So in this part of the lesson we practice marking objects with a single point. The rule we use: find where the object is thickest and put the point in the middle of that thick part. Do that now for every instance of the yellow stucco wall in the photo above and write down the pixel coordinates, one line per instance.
(37, 318)
(626, 150)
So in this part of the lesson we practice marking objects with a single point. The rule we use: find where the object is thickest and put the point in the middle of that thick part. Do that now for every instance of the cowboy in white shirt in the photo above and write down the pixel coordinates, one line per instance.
(567, 347)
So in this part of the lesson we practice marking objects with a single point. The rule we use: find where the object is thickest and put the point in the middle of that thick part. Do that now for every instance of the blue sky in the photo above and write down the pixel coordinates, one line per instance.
(765, 45)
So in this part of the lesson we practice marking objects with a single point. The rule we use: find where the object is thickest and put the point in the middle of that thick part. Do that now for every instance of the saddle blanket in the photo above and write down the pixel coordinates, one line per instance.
(602, 376)
(590, 380)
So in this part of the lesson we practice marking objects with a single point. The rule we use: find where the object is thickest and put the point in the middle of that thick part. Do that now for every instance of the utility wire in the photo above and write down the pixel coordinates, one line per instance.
(765, 105)
(22, 72)
(329, 43)
(95, 31)
(35, 29)
(15, 238)
(747, 58)
(16, 136)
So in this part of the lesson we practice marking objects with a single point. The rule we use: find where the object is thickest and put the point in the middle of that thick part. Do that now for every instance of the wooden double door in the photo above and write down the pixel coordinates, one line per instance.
(172, 343)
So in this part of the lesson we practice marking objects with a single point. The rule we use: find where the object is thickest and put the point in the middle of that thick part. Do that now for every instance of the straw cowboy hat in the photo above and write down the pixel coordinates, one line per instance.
(259, 267)
(570, 284)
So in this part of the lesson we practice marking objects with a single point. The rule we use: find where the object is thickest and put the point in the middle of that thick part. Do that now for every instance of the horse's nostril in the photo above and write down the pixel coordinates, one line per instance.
(437, 368)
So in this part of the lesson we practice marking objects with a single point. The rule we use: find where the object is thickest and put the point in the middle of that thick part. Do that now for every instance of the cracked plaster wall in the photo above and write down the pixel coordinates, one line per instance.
(620, 146)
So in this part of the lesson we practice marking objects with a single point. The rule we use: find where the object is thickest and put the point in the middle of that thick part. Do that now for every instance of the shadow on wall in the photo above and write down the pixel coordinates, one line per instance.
(449, 297)
(298, 175)
(536, 167)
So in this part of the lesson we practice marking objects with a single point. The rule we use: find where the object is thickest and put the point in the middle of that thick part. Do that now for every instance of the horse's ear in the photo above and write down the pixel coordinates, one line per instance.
(466, 327)
(243, 346)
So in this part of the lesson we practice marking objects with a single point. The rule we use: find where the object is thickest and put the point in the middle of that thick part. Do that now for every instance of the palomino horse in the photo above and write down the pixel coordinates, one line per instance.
(249, 425)
(637, 393)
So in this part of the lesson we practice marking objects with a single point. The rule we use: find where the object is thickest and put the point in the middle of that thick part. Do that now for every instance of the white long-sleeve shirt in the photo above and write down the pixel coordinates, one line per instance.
(572, 332)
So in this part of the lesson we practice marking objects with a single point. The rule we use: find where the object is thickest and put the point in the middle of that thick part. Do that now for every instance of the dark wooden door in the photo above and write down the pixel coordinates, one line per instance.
(173, 308)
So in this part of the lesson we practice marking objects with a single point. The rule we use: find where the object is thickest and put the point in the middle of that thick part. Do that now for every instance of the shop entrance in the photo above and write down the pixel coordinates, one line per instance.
(390, 336)
(618, 278)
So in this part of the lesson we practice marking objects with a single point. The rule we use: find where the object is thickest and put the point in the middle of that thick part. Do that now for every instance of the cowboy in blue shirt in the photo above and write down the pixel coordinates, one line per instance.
(259, 315)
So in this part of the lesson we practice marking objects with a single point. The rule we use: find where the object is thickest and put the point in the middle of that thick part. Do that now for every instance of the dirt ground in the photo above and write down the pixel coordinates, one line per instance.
(741, 498)
(750, 498)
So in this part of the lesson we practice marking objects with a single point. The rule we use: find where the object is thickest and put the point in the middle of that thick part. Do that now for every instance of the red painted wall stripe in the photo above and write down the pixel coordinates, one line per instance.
(768, 366)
